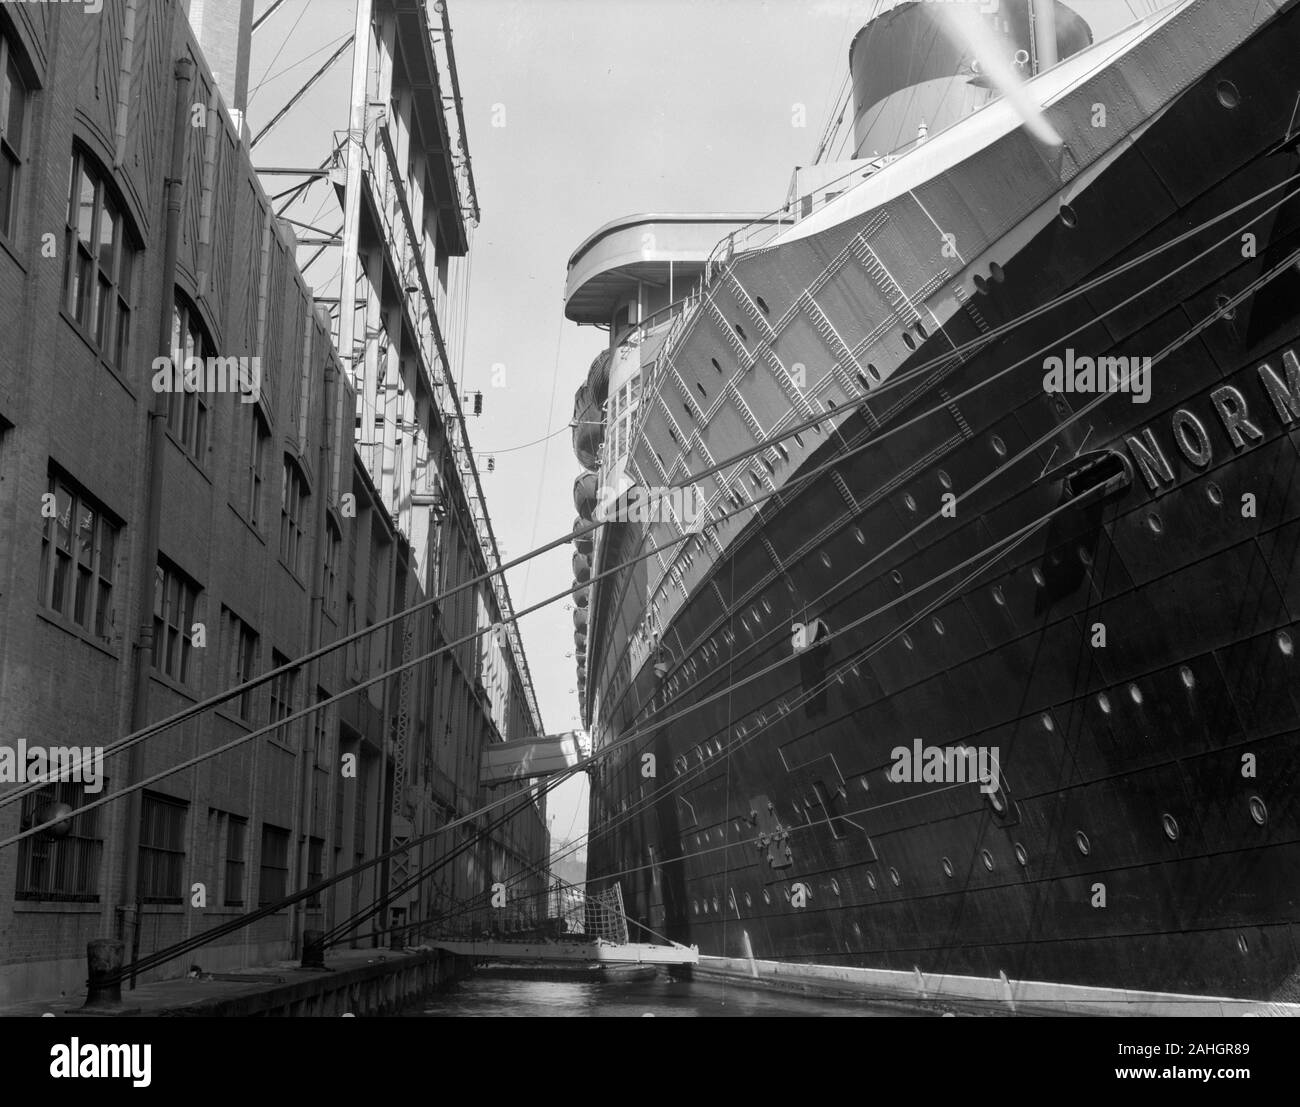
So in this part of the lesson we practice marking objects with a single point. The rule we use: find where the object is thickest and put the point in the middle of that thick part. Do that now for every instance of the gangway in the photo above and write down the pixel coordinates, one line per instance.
(591, 929)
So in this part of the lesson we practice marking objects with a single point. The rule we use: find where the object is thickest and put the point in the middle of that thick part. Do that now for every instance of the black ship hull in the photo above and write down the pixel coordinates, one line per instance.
(1132, 659)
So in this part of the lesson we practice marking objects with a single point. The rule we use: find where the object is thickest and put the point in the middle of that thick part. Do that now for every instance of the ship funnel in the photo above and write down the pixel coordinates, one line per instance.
(964, 25)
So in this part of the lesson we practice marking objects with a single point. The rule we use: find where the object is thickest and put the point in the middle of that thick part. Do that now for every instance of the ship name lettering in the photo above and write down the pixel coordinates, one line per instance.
(1233, 410)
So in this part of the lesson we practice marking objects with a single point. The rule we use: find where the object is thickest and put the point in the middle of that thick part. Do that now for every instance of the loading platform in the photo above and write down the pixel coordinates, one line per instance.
(570, 952)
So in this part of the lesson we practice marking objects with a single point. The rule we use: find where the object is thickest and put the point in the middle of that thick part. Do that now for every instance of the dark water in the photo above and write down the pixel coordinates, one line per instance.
(660, 997)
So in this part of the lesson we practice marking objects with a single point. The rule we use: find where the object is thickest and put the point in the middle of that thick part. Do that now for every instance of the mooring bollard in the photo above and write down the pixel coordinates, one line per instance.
(313, 949)
(104, 962)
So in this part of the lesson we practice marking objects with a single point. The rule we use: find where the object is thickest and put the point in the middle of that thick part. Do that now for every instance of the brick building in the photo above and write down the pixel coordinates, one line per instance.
(293, 505)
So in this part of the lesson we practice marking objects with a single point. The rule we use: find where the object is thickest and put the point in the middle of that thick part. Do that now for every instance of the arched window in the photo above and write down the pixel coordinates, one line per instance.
(293, 513)
(101, 256)
(187, 403)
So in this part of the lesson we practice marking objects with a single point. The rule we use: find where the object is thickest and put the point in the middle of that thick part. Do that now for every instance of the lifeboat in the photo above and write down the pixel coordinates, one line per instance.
(581, 568)
(584, 495)
(582, 596)
(588, 428)
(583, 544)
(580, 617)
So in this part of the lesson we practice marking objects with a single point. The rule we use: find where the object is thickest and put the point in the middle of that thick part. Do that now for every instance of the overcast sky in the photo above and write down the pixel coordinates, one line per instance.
(610, 107)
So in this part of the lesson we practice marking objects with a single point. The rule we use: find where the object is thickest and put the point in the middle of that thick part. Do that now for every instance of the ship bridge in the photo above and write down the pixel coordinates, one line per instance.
(635, 267)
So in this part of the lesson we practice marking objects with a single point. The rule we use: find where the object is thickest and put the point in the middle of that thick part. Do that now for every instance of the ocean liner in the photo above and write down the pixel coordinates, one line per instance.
(859, 532)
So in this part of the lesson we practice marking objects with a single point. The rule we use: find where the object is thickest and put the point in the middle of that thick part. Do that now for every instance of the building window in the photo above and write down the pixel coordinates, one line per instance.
(273, 878)
(65, 868)
(13, 120)
(320, 727)
(315, 867)
(78, 559)
(293, 500)
(257, 439)
(162, 849)
(236, 844)
(333, 546)
(100, 261)
(284, 689)
(241, 658)
(187, 405)
(174, 600)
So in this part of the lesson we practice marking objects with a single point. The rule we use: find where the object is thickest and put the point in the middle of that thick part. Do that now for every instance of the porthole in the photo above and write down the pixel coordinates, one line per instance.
(785, 454)
(1085, 557)
(1046, 720)
(1135, 694)
(701, 388)
(715, 364)
(862, 380)
(1153, 521)
(873, 372)
(907, 642)
(1228, 95)
(1170, 825)
(999, 447)
(866, 784)
(1285, 644)
(749, 900)
(937, 623)
(947, 868)
(896, 577)
(981, 285)
(909, 501)
(705, 905)
(826, 559)
(1214, 493)
(1242, 945)
(835, 886)
(740, 331)
(762, 305)
(859, 537)
(1081, 840)
(1037, 574)
(767, 897)
(798, 439)
(871, 881)
(857, 930)
(995, 271)
(987, 858)
(695, 906)
(1221, 302)
(768, 466)
(909, 341)
(920, 329)
(1069, 217)
(945, 479)
(716, 909)
(767, 605)
(1258, 811)
(894, 877)
(996, 800)
(1022, 854)
(830, 405)
(1189, 677)
(1103, 701)
(999, 597)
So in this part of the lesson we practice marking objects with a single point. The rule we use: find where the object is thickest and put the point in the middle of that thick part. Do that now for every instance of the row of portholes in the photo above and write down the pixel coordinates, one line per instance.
(1258, 812)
